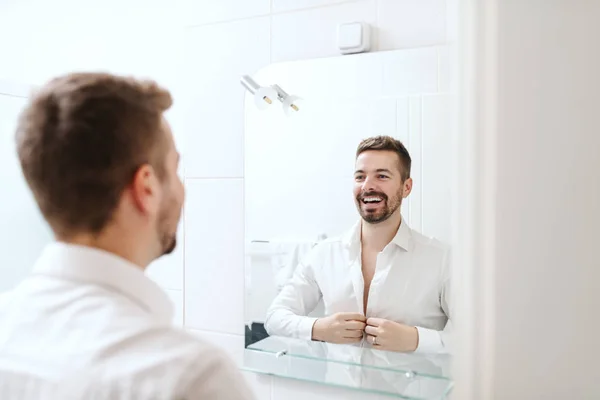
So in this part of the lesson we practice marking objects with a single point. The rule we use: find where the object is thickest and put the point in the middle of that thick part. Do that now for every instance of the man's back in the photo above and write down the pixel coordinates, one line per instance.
(86, 324)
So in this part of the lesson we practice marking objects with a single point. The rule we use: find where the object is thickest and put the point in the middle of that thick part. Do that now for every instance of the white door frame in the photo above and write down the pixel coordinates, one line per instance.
(475, 200)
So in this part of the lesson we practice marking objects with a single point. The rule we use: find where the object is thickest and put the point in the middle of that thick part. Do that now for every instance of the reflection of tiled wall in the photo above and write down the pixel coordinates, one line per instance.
(222, 40)
(289, 160)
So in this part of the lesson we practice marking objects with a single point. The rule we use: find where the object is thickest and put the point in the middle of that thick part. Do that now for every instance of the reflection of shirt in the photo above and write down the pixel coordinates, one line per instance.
(411, 286)
(288, 255)
(88, 324)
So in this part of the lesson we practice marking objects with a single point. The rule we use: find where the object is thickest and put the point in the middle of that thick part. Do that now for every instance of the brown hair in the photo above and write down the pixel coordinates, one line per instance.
(80, 141)
(388, 143)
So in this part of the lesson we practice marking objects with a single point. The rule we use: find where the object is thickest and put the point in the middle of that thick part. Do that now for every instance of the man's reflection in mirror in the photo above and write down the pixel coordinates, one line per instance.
(381, 283)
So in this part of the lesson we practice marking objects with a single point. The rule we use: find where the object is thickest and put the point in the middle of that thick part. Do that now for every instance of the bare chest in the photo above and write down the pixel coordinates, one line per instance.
(369, 264)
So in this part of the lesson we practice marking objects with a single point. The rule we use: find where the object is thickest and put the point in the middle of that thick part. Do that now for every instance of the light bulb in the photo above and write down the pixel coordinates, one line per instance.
(291, 104)
(264, 97)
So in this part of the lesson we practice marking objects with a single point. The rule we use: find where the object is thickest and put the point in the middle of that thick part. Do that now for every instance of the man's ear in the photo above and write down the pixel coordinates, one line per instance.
(407, 187)
(145, 190)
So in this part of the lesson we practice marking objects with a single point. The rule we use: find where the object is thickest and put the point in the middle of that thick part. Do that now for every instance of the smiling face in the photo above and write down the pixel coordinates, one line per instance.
(378, 185)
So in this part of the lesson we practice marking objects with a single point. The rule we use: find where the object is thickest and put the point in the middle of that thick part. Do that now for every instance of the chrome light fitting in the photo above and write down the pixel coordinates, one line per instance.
(264, 95)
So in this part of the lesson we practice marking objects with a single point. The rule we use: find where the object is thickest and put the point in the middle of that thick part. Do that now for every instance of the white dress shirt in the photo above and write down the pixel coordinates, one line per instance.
(411, 286)
(87, 324)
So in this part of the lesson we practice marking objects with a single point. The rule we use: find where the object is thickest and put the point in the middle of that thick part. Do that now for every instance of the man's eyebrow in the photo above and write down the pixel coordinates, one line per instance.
(360, 171)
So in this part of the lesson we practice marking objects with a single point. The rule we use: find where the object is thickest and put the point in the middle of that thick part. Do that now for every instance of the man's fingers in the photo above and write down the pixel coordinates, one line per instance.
(373, 340)
(353, 334)
(371, 330)
(375, 321)
(355, 325)
(353, 317)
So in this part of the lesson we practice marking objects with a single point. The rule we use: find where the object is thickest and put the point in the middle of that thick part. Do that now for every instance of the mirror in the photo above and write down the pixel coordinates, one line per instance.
(321, 222)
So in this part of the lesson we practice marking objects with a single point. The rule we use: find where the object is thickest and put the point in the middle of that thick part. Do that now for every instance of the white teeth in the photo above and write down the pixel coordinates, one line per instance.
(371, 199)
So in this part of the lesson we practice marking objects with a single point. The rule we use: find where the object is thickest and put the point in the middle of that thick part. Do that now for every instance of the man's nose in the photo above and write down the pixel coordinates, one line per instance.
(368, 185)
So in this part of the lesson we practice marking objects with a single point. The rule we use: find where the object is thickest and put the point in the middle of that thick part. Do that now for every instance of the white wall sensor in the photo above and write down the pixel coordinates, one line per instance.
(353, 37)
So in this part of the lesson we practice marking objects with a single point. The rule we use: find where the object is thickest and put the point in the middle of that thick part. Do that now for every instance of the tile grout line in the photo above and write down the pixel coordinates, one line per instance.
(238, 335)
(213, 178)
(183, 275)
(271, 32)
(439, 69)
(397, 105)
(374, 30)
(421, 162)
(14, 96)
(271, 13)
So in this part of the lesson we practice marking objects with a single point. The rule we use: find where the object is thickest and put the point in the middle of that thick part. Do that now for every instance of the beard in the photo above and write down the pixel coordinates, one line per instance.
(166, 233)
(387, 207)
(169, 243)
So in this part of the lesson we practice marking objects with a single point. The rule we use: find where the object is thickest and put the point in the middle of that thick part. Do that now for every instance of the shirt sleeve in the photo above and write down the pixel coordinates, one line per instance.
(287, 315)
(431, 340)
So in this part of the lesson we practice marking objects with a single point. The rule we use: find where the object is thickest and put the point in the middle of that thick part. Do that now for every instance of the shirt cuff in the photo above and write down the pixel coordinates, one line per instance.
(305, 328)
(430, 341)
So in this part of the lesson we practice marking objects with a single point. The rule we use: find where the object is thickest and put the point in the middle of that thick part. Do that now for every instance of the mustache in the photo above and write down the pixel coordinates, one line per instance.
(361, 196)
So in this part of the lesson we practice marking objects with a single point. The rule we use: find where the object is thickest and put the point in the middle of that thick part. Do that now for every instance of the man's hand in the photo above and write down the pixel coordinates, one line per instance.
(391, 336)
(339, 328)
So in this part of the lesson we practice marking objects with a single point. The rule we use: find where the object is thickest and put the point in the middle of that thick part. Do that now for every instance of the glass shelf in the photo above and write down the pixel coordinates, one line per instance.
(433, 365)
(407, 376)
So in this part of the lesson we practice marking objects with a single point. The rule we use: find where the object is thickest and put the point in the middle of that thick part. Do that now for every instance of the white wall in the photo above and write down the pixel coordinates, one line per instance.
(19, 215)
(222, 40)
(547, 153)
(532, 78)
(39, 40)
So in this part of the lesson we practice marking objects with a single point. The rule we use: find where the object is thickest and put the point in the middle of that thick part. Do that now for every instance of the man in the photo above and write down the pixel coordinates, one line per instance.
(382, 279)
(101, 162)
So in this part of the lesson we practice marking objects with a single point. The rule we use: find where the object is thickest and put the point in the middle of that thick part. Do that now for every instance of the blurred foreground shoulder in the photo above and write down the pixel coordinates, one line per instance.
(213, 373)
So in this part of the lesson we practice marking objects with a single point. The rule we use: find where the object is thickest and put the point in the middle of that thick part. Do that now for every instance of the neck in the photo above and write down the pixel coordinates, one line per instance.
(377, 236)
(121, 245)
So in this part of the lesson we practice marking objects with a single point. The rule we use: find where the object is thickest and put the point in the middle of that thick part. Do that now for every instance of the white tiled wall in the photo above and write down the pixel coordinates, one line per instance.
(412, 71)
(410, 23)
(214, 255)
(217, 42)
(215, 58)
(312, 33)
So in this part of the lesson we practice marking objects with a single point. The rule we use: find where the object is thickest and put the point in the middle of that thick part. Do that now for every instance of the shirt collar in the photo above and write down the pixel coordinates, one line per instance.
(94, 266)
(402, 238)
